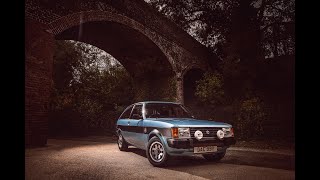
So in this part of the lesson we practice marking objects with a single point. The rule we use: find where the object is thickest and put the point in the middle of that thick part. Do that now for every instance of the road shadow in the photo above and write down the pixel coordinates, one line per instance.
(62, 143)
(109, 138)
(137, 151)
(260, 159)
(257, 159)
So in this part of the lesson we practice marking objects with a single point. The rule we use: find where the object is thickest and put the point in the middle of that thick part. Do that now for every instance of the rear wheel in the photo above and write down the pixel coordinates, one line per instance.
(214, 157)
(122, 143)
(156, 152)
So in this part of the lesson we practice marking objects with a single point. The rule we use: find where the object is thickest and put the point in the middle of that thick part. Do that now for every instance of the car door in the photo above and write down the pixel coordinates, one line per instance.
(123, 123)
(136, 121)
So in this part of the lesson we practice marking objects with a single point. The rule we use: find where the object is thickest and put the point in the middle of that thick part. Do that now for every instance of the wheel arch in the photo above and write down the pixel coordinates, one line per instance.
(157, 133)
(154, 133)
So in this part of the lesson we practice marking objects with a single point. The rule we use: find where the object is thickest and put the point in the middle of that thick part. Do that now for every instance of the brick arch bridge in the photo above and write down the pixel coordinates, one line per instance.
(152, 49)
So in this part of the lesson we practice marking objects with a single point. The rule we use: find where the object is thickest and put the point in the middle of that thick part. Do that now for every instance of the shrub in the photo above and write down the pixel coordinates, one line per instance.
(209, 89)
(250, 114)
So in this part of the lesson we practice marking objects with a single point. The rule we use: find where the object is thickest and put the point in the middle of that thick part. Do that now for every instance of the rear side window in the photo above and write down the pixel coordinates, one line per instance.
(126, 113)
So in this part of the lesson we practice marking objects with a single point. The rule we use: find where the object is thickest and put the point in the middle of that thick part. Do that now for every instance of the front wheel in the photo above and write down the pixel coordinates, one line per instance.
(156, 152)
(214, 157)
(122, 143)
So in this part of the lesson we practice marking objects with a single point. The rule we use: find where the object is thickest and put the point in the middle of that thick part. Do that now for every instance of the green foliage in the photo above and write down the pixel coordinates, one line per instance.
(207, 21)
(251, 113)
(100, 93)
(210, 89)
(266, 27)
(66, 58)
(93, 87)
(90, 87)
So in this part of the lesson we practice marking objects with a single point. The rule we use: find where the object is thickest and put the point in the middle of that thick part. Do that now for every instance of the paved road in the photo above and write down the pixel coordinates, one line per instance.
(84, 159)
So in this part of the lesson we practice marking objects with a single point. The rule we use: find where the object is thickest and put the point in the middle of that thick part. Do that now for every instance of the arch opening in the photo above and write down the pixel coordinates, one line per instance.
(151, 72)
(190, 79)
(135, 44)
(90, 90)
(190, 84)
(141, 57)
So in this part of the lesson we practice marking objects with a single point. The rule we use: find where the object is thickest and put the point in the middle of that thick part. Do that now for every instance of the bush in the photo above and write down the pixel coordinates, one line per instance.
(209, 89)
(250, 114)
(88, 90)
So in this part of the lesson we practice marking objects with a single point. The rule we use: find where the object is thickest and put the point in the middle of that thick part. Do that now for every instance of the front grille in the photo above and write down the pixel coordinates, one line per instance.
(215, 142)
(212, 131)
(179, 144)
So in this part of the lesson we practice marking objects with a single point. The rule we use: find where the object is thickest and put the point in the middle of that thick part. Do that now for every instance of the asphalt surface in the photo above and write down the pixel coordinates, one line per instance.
(100, 159)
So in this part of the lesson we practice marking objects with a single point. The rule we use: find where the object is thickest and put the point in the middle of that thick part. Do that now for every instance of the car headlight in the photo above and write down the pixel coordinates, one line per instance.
(228, 132)
(180, 132)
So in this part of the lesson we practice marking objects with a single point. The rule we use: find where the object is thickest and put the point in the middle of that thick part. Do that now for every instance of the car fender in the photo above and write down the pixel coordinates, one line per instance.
(156, 132)
(118, 130)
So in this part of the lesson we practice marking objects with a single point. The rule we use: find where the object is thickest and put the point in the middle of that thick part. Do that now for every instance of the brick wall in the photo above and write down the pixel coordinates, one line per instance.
(38, 78)
(180, 49)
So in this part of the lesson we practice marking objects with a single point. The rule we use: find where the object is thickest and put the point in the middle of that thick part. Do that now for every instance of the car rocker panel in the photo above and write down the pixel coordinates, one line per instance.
(166, 129)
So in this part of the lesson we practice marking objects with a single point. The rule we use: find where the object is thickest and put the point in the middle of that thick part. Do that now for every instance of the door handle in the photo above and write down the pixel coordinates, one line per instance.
(128, 122)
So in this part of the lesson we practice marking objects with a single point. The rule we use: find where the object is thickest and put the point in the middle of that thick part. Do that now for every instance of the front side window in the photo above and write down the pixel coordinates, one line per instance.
(126, 113)
(137, 112)
(164, 110)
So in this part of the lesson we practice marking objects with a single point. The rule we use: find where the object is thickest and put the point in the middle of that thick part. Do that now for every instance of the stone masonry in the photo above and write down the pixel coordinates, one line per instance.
(46, 21)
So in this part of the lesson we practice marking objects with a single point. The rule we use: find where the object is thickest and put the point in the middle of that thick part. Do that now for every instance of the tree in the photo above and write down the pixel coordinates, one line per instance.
(243, 33)
(246, 35)
(220, 23)
(90, 86)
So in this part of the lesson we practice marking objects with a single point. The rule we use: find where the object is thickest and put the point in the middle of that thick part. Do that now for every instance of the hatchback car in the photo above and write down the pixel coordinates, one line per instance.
(165, 129)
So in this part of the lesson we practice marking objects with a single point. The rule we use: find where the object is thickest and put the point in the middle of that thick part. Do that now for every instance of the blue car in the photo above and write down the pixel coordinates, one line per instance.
(165, 129)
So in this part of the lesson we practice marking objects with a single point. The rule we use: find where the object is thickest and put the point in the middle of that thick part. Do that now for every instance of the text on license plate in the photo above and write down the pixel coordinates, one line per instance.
(205, 149)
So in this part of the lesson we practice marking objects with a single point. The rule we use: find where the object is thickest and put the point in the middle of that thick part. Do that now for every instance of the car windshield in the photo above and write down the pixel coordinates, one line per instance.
(166, 110)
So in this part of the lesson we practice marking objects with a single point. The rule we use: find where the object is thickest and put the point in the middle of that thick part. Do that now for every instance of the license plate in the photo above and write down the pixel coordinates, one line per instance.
(205, 149)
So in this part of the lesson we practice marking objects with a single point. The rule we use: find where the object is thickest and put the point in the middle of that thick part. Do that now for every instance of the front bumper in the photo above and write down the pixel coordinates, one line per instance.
(191, 142)
(185, 146)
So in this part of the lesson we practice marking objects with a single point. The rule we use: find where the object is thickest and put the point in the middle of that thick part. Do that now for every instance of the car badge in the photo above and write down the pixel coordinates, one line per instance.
(145, 130)
(208, 132)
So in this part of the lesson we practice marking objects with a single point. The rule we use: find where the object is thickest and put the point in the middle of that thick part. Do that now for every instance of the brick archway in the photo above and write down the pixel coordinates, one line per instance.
(45, 21)
(73, 20)
(141, 56)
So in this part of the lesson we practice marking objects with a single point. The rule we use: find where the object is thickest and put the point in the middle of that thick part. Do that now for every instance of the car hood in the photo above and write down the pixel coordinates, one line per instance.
(188, 122)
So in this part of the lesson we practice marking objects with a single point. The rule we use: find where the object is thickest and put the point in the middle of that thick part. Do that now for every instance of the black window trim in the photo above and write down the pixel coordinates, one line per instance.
(130, 106)
(138, 104)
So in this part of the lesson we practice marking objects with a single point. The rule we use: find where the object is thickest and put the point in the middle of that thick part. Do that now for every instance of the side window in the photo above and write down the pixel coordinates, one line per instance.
(126, 113)
(137, 112)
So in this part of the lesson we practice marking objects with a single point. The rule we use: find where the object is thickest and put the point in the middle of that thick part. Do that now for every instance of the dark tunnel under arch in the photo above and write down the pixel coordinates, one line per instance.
(190, 84)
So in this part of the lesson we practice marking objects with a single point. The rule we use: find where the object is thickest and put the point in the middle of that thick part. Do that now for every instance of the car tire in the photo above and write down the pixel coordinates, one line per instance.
(156, 152)
(122, 143)
(214, 157)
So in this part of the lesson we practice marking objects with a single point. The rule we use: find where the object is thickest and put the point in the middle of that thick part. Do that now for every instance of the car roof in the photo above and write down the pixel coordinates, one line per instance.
(165, 102)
